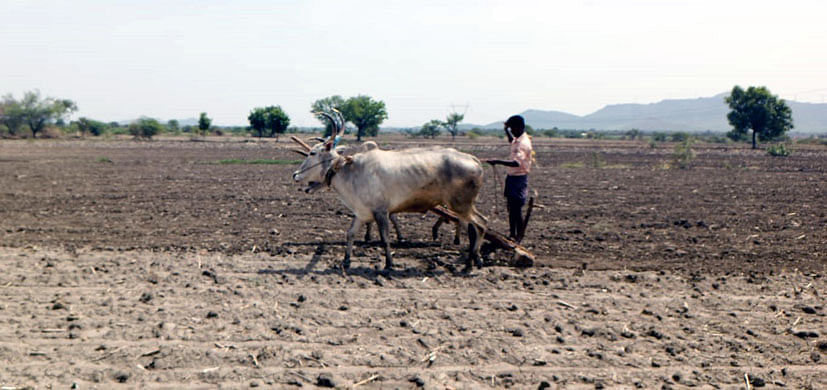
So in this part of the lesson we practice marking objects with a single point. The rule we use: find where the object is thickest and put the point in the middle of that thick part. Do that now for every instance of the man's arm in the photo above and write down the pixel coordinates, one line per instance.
(508, 163)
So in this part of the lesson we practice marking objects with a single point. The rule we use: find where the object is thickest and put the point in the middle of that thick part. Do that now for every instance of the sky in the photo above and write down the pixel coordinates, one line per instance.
(119, 60)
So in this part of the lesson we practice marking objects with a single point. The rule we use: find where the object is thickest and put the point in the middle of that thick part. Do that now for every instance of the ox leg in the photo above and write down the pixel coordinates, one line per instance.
(396, 227)
(435, 228)
(382, 223)
(438, 224)
(477, 226)
(351, 234)
(367, 232)
(473, 256)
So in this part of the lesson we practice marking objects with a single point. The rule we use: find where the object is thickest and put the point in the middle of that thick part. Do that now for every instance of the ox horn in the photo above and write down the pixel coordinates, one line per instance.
(341, 129)
(320, 139)
(336, 126)
(302, 152)
(304, 145)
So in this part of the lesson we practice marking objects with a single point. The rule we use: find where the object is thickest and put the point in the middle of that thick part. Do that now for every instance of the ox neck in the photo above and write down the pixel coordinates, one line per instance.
(335, 164)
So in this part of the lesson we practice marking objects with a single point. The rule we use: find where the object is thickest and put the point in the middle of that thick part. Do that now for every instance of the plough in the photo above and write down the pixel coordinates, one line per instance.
(521, 257)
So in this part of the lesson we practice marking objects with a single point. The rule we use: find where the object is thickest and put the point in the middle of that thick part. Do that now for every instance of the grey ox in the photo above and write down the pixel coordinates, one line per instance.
(376, 183)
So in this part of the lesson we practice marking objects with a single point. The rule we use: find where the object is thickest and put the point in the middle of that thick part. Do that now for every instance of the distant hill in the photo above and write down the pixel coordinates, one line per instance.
(693, 115)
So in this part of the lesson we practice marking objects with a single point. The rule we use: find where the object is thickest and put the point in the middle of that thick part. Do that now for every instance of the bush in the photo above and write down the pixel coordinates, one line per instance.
(145, 128)
(680, 136)
(659, 137)
(683, 154)
(551, 133)
(778, 151)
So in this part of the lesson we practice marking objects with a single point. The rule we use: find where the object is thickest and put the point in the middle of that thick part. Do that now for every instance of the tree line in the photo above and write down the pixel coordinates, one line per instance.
(754, 110)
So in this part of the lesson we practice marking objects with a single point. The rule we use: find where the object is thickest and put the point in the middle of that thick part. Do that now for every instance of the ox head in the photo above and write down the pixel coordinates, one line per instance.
(320, 156)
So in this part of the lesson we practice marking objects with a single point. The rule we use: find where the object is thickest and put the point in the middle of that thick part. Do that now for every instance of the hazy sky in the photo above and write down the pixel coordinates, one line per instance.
(173, 59)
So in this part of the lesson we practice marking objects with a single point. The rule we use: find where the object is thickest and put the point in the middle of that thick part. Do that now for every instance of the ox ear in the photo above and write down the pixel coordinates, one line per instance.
(302, 152)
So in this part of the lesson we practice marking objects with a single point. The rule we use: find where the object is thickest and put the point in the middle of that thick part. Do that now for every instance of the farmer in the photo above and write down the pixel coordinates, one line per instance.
(516, 181)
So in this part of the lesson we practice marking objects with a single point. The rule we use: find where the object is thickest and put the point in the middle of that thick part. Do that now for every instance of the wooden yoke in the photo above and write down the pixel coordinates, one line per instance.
(521, 258)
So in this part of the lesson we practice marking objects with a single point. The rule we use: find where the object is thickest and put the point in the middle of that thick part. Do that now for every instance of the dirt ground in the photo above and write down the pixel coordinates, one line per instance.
(152, 265)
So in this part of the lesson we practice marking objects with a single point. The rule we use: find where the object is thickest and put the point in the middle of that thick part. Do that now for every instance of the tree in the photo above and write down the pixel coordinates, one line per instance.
(86, 125)
(366, 113)
(145, 128)
(758, 110)
(34, 111)
(11, 114)
(451, 123)
(204, 123)
(327, 105)
(268, 121)
(173, 126)
(38, 113)
(431, 129)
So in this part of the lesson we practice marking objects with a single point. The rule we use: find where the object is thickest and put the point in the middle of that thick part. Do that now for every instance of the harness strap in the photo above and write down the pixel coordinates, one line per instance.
(335, 167)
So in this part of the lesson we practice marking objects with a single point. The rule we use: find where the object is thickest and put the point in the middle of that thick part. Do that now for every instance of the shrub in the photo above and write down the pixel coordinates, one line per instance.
(683, 154)
(551, 133)
(145, 128)
(778, 151)
(680, 136)
(596, 161)
(659, 137)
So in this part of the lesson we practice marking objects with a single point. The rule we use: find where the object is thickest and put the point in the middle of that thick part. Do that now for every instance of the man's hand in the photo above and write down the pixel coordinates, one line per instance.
(492, 162)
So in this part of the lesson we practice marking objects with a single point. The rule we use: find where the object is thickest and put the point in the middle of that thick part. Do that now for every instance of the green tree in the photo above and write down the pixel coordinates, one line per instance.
(758, 110)
(431, 129)
(91, 126)
(327, 105)
(451, 124)
(268, 121)
(11, 114)
(367, 114)
(35, 112)
(204, 123)
(173, 126)
(145, 128)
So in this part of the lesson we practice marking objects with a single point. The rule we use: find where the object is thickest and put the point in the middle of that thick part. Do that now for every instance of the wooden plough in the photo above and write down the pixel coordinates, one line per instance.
(521, 256)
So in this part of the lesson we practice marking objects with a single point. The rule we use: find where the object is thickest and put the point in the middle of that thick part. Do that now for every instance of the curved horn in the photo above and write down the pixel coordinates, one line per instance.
(341, 129)
(336, 126)
(302, 152)
(320, 139)
(300, 142)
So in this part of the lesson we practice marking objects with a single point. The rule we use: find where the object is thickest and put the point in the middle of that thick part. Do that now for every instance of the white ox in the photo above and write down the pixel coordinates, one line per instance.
(376, 183)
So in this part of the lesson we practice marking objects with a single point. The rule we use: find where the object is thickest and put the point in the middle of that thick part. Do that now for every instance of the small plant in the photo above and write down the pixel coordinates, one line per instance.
(596, 161)
(683, 154)
(105, 160)
(778, 151)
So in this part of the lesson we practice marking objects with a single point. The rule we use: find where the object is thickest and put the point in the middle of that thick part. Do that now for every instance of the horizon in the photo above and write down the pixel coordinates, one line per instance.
(119, 60)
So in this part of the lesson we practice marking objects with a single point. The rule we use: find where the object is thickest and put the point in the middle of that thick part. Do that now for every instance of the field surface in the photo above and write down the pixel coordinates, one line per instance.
(181, 264)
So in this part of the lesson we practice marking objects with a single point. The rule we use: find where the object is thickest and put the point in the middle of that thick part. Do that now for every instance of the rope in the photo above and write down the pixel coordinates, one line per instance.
(313, 166)
(496, 194)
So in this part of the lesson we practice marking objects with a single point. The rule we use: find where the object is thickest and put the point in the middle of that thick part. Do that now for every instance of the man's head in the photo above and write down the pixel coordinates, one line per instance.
(517, 125)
